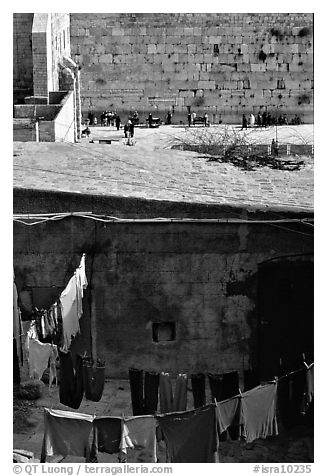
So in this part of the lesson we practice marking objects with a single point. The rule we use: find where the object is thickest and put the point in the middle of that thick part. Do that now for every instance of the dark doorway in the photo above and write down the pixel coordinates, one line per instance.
(286, 313)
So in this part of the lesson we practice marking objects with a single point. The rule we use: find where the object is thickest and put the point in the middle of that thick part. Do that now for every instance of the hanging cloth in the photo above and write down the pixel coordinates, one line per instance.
(71, 380)
(258, 412)
(17, 324)
(199, 389)
(38, 353)
(139, 440)
(71, 304)
(168, 401)
(191, 437)
(107, 435)
(93, 379)
(144, 391)
(66, 433)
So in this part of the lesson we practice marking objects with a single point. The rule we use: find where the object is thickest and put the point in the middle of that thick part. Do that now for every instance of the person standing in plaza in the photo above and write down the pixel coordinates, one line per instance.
(244, 122)
(264, 119)
(118, 121)
(189, 119)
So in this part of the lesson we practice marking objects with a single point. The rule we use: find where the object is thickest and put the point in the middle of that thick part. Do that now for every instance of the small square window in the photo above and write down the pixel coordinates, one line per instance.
(216, 49)
(163, 331)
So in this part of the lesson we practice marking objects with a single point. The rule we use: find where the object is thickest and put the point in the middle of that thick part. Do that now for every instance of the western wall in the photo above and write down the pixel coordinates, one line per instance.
(224, 64)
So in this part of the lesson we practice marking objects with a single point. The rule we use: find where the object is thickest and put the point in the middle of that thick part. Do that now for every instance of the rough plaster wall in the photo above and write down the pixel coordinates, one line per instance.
(158, 61)
(199, 276)
(22, 51)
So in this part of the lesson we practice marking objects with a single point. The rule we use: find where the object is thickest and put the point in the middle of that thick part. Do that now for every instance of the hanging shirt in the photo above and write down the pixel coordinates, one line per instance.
(139, 434)
(191, 437)
(38, 354)
(69, 312)
(82, 283)
(71, 304)
(66, 433)
(228, 413)
(258, 412)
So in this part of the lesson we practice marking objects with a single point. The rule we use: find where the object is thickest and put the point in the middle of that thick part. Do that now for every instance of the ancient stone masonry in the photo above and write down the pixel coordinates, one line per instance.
(225, 64)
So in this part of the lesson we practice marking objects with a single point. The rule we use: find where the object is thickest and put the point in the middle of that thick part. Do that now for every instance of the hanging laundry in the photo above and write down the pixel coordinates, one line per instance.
(139, 440)
(69, 312)
(309, 384)
(66, 433)
(144, 391)
(81, 285)
(38, 354)
(93, 378)
(223, 386)
(71, 380)
(16, 372)
(71, 304)
(136, 386)
(17, 324)
(258, 412)
(191, 437)
(216, 386)
(151, 386)
(168, 401)
(291, 390)
(228, 413)
(198, 389)
(230, 385)
(107, 435)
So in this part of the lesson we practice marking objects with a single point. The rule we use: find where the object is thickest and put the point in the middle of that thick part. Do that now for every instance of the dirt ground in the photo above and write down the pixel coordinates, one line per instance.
(294, 446)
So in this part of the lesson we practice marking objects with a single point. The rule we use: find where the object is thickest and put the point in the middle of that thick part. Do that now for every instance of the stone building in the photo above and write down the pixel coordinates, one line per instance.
(46, 91)
(225, 64)
(196, 268)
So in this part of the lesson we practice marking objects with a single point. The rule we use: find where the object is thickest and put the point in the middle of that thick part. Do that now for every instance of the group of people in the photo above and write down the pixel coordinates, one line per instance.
(267, 119)
(192, 118)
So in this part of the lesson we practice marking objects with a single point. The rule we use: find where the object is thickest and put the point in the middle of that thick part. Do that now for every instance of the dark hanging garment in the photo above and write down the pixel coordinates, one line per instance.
(216, 386)
(230, 389)
(71, 380)
(191, 437)
(251, 379)
(290, 392)
(107, 432)
(151, 386)
(198, 389)
(136, 385)
(16, 371)
(93, 379)
(230, 385)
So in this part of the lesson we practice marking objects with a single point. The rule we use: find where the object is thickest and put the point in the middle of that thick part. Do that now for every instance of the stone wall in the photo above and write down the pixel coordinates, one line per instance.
(39, 42)
(24, 130)
(22, 55)
(225, 64)
(203, 277)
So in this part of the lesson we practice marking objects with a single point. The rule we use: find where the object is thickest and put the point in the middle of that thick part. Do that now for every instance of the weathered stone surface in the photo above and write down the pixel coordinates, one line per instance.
(234, 45)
